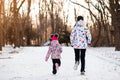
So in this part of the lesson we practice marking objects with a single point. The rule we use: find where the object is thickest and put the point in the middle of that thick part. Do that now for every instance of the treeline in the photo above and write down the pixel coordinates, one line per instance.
(17, 26)
(20, 30)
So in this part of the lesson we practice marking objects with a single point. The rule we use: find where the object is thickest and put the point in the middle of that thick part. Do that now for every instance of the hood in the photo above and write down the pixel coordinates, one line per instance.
(54, 42)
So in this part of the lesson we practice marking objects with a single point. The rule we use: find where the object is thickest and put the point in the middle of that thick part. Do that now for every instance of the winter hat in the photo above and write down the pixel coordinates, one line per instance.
(56, 35)
(51, 35)
(54, 38)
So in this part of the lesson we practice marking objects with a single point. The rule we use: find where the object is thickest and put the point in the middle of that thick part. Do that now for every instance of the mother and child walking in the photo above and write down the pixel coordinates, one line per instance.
(80, 38)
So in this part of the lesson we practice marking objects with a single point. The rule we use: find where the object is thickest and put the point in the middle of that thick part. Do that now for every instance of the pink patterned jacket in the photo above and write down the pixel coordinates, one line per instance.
(55, 50)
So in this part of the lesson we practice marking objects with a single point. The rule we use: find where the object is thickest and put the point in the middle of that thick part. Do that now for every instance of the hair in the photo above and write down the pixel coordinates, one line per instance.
(80, 18)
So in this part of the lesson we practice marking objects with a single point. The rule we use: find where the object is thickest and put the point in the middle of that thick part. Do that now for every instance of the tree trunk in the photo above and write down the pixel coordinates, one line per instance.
(52, 16)
(115, 13)
(16, 41)
(0, 29)
(1, 23)
(117, 30)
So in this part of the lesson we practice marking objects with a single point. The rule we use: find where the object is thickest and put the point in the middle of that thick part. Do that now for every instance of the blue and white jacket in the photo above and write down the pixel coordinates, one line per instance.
(80, 36)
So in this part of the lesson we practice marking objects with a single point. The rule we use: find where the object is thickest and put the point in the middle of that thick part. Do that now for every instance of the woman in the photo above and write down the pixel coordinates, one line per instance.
(80, 37)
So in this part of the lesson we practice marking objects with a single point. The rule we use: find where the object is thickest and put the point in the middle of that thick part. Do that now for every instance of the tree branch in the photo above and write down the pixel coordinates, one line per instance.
(79, 5)
(20, 5)
(85, 8)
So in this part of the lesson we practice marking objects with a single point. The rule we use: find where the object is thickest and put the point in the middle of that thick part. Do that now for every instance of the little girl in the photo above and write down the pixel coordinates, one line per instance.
(55, 51)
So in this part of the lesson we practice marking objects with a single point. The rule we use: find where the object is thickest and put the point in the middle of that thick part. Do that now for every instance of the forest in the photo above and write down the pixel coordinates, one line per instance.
(30, 22)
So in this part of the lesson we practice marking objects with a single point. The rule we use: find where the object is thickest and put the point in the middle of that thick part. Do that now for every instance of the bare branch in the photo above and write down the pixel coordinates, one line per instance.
(85, 8)
(95, 7)
(79, 5)
(21, 5)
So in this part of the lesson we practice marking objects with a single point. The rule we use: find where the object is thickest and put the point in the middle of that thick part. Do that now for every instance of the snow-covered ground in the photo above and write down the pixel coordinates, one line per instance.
(101, 64)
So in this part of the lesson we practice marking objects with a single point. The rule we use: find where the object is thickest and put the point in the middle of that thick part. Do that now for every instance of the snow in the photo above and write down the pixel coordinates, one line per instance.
(27, 63)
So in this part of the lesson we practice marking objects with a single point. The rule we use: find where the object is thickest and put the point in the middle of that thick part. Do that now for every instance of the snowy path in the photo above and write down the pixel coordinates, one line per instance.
(29, 64)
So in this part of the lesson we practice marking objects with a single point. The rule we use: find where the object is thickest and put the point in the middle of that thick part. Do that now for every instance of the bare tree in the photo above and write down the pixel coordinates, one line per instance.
(28, 26)
(1, 23)
(16, 9)
(52, 15)
(42, 20)
(115, 13)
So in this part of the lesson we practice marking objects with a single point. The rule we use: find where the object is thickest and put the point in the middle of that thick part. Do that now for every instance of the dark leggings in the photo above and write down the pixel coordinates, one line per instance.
(54, 67)
(80, 54)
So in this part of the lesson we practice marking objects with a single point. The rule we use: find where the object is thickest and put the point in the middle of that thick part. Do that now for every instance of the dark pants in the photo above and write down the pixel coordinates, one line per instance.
(54, 61)
(80, 55)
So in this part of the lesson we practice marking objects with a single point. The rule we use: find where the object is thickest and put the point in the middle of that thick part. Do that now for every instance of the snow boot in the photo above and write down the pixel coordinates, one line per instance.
(83, 73)
(76, 65)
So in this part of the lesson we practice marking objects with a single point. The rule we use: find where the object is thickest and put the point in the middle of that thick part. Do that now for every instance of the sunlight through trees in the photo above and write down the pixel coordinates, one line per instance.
(30, 22)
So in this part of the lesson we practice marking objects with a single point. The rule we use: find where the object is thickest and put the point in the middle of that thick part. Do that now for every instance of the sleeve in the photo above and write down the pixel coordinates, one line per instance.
(60, 49)
(89, 37)
(48, 54)
(72, 36)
